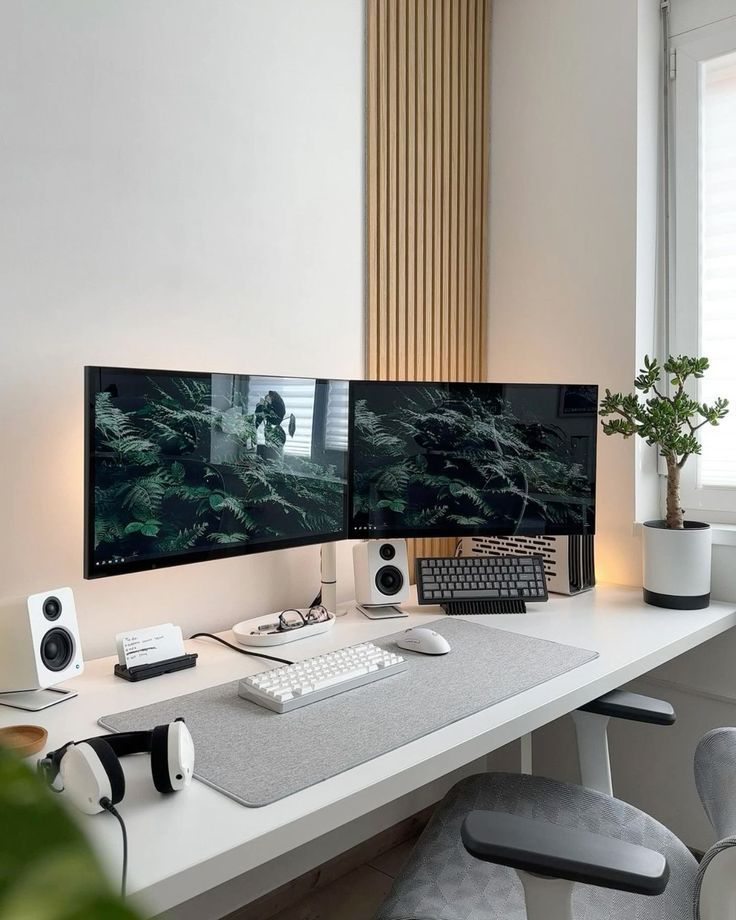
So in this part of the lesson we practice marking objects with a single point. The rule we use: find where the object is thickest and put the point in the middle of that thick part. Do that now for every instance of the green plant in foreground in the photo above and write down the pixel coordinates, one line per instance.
(47, 869)
(668, 422)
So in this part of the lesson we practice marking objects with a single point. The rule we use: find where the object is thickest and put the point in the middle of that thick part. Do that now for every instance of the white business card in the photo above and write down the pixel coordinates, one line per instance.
(149, 645)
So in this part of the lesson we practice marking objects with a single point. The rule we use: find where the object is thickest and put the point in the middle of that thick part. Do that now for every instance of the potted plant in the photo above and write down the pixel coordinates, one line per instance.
(270, 413)
(676, 552)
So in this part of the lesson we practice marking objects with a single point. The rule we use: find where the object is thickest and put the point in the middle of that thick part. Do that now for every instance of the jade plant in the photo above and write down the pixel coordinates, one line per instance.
(667, 421)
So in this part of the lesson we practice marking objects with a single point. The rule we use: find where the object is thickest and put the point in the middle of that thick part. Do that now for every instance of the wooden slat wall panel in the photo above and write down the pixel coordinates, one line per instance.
(427, 187)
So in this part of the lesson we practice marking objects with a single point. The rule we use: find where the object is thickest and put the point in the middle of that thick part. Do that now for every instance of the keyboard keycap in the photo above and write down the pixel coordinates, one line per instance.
(291, 686)
(481, 577)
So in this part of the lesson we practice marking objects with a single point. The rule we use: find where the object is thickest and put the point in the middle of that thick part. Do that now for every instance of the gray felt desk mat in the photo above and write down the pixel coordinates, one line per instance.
(257, 756)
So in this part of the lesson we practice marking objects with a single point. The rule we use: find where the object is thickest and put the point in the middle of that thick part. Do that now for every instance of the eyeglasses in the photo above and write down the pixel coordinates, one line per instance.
(293, 619)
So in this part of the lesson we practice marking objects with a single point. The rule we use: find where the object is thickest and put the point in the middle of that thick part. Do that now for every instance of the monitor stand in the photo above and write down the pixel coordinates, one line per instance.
(328, 577)
(36, 700)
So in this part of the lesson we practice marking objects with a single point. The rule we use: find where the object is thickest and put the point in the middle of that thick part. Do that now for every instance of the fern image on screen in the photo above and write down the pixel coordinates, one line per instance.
(187, 466)
(458, 459)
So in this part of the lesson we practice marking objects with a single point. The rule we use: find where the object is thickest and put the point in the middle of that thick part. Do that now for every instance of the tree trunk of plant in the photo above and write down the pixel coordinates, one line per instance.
(674, 510)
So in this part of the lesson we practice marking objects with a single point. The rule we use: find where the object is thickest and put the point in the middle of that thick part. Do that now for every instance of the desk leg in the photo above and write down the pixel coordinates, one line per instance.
(526, 753)
(507, 761)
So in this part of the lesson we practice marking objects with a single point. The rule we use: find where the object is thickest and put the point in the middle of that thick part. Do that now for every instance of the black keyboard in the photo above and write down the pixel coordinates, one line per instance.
(481, 584)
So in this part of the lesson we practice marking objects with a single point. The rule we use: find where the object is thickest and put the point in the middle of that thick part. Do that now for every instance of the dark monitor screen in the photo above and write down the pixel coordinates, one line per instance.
(471, 459)
(183, 467)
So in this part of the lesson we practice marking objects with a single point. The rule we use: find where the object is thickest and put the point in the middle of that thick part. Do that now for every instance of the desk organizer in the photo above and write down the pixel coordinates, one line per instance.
(156, 668)
(257, 756)
(242, 631)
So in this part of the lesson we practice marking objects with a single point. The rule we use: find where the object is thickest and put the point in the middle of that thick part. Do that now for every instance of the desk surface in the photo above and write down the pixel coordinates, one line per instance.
(186, 844)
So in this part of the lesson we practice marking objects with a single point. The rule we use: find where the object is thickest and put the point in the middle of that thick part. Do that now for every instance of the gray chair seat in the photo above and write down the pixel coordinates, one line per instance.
(442, 881)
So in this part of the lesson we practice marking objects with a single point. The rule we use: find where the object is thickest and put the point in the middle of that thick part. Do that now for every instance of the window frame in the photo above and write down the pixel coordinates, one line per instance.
(692, 50)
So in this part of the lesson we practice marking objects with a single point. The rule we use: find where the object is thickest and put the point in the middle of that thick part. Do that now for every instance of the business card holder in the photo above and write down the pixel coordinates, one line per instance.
(156, 668)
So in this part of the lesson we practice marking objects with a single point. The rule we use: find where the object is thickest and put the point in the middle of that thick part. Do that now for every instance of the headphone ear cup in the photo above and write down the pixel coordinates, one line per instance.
(91, 771)
(111, 764)
(160, 759)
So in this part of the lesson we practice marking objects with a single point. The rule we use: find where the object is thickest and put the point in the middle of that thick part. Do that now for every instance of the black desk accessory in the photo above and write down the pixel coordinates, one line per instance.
(156, 668)
(481, 584)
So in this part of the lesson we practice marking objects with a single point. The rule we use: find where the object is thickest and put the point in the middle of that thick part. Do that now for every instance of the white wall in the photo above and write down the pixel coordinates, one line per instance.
(181, 186)
(575, 285)
(563, 220)
(686, 15)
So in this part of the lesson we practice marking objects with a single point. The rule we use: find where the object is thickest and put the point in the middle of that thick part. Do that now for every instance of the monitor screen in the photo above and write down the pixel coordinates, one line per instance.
(471, 459)
(183, 467)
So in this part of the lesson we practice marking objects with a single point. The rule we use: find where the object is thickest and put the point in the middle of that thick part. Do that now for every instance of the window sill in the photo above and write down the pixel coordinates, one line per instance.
(723, 534)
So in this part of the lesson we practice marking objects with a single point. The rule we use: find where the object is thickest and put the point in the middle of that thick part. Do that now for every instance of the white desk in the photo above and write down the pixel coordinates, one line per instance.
(185, 844)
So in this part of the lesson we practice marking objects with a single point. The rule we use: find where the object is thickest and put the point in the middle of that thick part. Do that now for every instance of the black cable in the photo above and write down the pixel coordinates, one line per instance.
(317, 601)
(110, 808)
(235, 648)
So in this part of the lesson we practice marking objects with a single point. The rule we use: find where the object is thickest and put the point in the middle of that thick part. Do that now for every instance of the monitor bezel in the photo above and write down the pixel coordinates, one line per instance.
(456, 531)
(182, 558)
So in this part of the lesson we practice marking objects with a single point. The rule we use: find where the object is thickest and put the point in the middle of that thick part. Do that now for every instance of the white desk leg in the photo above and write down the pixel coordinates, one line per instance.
(328, 576)
(546, 898)
(595, 763)
(526, 753)
(525, 763)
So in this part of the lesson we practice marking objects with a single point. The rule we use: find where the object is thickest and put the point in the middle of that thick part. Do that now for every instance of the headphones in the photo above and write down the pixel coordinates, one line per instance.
(90, 773)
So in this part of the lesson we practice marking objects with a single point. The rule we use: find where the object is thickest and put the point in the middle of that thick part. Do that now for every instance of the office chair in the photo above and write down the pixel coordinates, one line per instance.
(510, 847)
(591, 729)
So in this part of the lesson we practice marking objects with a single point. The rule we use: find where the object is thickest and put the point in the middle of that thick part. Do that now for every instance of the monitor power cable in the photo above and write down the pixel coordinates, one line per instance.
(110, 808)
(206, 635)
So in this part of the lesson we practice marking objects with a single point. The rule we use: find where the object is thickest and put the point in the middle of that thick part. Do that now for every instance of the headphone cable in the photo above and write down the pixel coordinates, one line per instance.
(235, 648)
(109, 807)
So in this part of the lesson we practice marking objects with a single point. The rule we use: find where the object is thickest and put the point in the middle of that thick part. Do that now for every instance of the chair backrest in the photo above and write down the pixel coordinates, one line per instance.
(715, 778)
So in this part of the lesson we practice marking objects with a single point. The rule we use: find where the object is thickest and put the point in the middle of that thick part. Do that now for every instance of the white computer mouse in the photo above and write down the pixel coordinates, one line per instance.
(424, 640)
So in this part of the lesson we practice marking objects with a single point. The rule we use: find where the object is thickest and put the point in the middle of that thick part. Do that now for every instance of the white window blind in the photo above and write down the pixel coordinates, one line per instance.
(298, 396)
(717, 466)
(336, 425)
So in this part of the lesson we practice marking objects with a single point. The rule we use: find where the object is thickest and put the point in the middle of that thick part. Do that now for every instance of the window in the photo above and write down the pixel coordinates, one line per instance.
(718, 262)
(704, 250)
(298, 395)
(319, 416)
(336, 427)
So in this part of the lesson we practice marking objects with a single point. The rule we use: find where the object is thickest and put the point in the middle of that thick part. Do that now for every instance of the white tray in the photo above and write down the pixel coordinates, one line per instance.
(242, 630)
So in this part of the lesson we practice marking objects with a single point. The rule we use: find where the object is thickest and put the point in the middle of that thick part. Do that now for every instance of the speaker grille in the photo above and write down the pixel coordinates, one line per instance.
(57, 649)
(389, 580)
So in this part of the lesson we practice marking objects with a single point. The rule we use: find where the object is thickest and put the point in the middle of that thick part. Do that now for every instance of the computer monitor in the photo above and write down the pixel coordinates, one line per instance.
(183, 467)
(471, 459)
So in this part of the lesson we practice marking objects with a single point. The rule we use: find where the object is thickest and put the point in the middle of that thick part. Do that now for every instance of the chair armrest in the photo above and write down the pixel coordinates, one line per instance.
(564, 853)
(620, 704)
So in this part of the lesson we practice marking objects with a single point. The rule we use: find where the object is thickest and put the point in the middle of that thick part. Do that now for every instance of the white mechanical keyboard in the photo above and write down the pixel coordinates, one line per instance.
(294, 685)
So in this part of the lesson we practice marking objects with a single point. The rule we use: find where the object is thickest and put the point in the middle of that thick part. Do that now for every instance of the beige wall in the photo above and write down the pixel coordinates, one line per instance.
(575, 290)
(563, 235)
(179, 190)
(686, 15)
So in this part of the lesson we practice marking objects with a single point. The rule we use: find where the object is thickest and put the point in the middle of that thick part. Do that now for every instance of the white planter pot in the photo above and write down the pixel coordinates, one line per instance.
(677, 565)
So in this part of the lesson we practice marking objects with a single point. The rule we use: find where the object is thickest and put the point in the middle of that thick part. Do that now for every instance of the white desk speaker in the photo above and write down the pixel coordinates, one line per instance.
(39, 647)
(381, 569)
